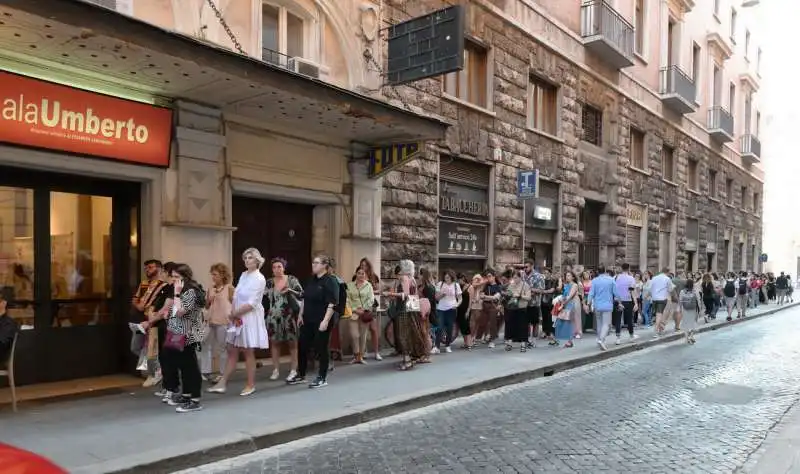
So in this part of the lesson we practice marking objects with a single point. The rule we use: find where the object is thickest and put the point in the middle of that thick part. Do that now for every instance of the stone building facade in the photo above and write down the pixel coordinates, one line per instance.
(688, 220)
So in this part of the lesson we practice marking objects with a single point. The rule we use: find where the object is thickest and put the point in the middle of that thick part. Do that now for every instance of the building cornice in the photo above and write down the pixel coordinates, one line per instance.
(750, 80)
(721, 47)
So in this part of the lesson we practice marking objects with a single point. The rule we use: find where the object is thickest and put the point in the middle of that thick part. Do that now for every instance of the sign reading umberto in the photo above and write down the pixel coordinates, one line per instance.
(45, 115)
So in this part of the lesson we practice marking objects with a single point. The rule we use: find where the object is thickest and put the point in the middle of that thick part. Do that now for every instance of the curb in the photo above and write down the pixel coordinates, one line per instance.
(237, 448)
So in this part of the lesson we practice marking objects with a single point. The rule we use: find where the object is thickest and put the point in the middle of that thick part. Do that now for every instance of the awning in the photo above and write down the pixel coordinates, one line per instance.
(97, 46)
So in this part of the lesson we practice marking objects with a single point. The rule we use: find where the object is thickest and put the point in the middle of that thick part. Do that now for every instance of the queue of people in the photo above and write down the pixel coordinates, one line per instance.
(185, 334)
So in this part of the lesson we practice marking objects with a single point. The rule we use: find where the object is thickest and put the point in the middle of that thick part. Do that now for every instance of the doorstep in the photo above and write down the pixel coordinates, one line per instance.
(119, 433)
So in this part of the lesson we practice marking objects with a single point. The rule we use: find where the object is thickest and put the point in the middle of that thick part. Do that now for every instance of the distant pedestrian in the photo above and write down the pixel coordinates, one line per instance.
(600, 301)
(729, 292)
(689, 306)
(709, 294)
(625, 285)
(661, 288)
(570, 305)
(742, 294)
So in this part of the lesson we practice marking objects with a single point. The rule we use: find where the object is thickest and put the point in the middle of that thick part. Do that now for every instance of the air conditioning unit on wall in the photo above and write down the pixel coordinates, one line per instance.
(307, 68)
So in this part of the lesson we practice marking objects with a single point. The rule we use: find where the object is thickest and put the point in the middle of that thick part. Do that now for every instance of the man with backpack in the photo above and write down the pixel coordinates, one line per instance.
(742, 294)
(781, 287)
(729, 292)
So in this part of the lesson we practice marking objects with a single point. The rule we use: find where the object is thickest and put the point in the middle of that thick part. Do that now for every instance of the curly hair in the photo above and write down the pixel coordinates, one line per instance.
(253, 252)
(406, 267)
(224, 272)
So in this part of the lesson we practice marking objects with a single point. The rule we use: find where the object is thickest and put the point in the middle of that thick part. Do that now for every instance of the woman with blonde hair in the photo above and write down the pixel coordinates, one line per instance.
(248, 329)
(219, 302)
(408, 325)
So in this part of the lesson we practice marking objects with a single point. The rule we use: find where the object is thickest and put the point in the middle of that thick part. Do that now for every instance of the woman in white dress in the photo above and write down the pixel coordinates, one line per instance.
(248, 330)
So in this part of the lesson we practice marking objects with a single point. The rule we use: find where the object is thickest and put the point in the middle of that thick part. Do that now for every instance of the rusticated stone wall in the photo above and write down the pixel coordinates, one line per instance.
(500, 137)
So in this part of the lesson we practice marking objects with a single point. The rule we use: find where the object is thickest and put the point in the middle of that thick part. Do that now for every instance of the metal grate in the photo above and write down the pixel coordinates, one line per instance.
(592, 124)
(548, 189)
(464, 171)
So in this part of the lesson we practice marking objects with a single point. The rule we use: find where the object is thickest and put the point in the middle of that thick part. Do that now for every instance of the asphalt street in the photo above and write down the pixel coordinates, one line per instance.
(675, 408)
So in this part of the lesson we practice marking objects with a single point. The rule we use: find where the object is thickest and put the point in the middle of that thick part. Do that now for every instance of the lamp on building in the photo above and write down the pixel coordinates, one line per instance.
(750, 3)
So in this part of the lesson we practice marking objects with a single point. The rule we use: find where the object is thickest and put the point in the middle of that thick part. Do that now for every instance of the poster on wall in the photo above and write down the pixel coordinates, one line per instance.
(458, 239)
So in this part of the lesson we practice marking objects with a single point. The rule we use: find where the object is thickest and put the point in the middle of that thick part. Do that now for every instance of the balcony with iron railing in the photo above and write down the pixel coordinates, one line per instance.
(606, 33)
(294, 64)
(720, 124)
(678, 91)
(750, 148)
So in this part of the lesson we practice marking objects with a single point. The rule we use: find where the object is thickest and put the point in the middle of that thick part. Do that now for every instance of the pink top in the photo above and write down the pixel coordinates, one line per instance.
(587, 286)
(220, 308)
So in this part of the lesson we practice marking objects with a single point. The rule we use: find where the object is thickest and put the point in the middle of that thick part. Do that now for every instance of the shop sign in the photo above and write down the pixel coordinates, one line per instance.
(45, 115)
(635, 215)
(456, 200)
(528, 184)
(387, 158)
(458, 239)
(541, 213)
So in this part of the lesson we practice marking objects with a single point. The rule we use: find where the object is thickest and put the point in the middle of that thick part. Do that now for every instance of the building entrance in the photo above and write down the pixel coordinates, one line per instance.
(69, 260)
(276, 229)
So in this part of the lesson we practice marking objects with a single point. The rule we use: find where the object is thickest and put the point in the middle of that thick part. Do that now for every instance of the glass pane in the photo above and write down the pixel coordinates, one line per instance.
(294, 36)
(81, 263)
(269, 27)
(16, 252)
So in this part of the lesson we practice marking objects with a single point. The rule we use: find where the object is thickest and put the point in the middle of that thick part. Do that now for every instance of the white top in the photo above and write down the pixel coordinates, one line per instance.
(660, 287)
(250, 290)
(451, 293)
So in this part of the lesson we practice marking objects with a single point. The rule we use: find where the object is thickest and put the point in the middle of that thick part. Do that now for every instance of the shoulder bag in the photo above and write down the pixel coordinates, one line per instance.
(366, 315)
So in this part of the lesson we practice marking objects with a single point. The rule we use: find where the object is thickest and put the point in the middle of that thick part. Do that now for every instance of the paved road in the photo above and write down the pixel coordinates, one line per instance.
(671, 409)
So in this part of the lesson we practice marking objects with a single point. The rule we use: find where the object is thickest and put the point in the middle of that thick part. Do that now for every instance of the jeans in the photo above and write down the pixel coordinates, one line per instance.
(602, 321)
(741, 303)
(171, 380)
(646, 312)
(446, 320)
(626, 314)
(185, 363)
(312, 338)
(214, 346)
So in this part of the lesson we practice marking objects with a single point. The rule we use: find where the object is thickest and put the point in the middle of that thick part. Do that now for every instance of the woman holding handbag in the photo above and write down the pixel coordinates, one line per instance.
(184, 335)
(361, 298)
(408, 325)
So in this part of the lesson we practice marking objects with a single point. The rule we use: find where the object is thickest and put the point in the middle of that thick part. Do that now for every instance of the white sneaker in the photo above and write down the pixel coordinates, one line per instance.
(218, 388)
(247, 391)
(292, 375)
(435, 350)
(618, 342)
(448, 349)
(577, 336)
(491, 345)
(602, 345)
(275, 375)
(378, 356)
(634, 337)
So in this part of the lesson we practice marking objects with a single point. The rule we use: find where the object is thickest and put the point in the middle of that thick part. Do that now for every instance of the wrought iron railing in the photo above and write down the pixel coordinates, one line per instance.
(720, 119)
(275, 58)
(675, 81)
(599, 18)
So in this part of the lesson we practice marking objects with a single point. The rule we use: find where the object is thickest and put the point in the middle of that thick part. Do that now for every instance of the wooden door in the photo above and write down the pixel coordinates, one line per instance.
(276, 229)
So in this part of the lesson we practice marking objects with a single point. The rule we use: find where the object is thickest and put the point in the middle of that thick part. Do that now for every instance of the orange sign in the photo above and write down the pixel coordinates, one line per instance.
(46, 115)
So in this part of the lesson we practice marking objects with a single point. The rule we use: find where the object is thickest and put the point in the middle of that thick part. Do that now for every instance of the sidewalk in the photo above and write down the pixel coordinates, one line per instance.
(136, 433)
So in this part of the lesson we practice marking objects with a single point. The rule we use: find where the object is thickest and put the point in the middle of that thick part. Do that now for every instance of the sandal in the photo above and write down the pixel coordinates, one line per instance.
(406, 366)
(509, 347)
(552, 343)
(569, 345)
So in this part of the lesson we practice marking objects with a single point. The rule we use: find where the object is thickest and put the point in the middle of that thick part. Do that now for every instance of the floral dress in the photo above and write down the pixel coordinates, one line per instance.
(281, 320)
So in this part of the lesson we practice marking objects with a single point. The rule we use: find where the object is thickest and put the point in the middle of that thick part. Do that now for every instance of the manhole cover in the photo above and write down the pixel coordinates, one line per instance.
(727, 394)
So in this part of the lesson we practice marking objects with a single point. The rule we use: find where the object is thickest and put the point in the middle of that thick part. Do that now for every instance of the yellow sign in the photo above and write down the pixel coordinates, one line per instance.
(385, 159)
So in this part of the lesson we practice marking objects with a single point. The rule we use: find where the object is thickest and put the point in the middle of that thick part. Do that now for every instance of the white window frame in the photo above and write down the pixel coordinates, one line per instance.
(313, 24)
(644, 53)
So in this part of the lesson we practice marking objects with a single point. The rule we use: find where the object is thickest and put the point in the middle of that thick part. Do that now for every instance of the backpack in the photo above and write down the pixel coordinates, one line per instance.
(688, 301)
(742, 286)
(730, 289)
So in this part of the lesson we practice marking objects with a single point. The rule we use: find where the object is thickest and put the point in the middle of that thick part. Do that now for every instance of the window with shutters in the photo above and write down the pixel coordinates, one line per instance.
(668, 163)
(712, 183)
(692, 234)
(543, 106)
(470, 83)
(592, 125)
(756, 203)
(637, 150)
(711, 236)
(692, 175)
(665, 241)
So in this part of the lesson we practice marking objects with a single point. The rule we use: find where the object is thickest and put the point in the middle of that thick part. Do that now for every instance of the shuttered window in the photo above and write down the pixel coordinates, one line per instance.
(633, 246)
(464, 171)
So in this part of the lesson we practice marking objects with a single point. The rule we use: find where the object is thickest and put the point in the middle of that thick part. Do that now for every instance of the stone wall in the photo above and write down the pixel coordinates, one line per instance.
(501, 138)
